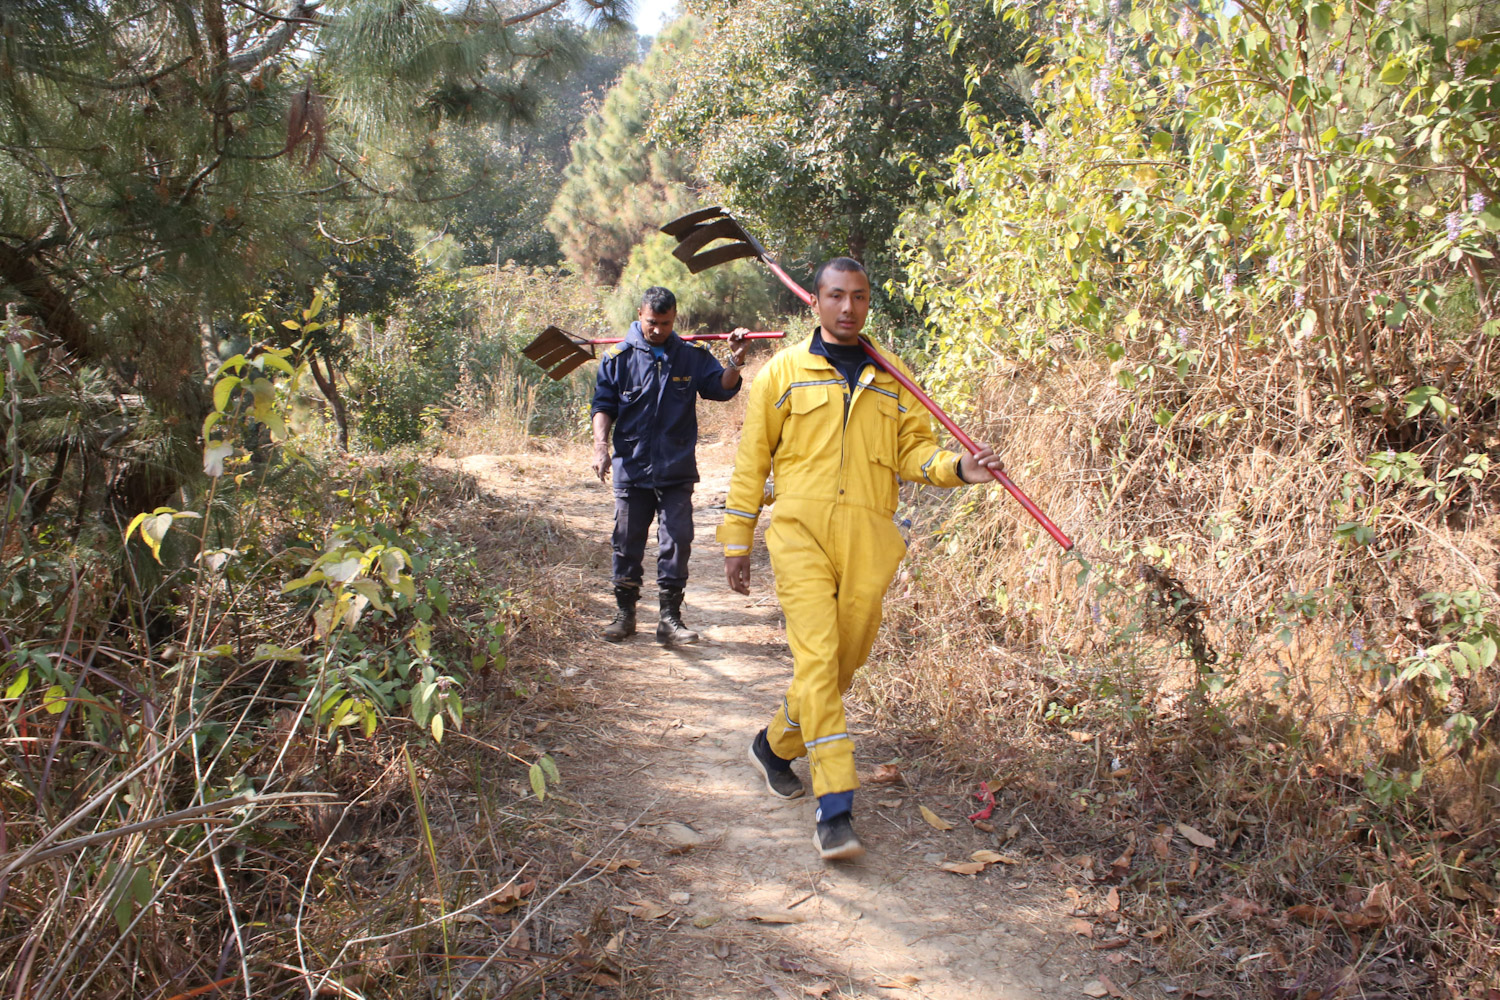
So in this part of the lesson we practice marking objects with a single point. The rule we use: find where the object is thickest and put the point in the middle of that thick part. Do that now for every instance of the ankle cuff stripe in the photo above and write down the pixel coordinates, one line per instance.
(827, 739)
(786, 711)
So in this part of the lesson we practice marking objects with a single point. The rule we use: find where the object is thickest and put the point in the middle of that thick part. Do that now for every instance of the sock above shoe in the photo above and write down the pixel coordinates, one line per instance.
(835, 804)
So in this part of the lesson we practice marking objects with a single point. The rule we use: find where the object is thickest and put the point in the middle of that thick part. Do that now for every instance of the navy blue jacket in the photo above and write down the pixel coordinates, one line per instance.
(654, 404)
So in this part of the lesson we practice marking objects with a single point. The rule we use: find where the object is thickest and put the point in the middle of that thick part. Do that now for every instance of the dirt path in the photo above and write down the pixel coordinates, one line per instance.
(737, 904)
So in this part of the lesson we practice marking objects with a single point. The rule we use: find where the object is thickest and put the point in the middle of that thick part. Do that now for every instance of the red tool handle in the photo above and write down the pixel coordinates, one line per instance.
(936, 411)
(968, 442)
(755, 335)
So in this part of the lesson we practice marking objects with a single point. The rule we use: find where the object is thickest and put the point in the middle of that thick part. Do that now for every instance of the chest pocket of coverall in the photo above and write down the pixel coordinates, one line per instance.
(810, 427)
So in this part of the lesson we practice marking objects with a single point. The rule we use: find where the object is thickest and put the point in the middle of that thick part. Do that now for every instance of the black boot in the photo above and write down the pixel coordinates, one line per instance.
(624, 620)
(670, 629)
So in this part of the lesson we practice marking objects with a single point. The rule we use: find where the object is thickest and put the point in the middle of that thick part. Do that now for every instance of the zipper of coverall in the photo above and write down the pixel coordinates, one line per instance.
(853, 396)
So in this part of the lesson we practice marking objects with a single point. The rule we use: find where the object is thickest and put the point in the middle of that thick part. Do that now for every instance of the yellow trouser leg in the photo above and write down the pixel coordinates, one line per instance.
(830, 583)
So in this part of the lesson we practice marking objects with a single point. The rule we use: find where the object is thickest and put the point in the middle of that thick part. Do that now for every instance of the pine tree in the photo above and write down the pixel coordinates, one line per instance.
(620, 185)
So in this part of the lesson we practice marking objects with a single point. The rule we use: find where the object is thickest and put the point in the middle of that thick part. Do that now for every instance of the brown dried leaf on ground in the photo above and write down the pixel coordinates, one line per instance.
(818, 990)
(886, 774)
(775, 989)
(1081, 927)
(1314, 915)
(963, 867)
(775, 917)
(511, 897)
(934, 820)
(607, 865)
(1233, 907)
(899, 982)
(1197, 837)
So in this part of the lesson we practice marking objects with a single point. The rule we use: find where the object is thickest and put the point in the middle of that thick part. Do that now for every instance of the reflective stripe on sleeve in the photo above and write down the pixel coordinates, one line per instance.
(742, 513)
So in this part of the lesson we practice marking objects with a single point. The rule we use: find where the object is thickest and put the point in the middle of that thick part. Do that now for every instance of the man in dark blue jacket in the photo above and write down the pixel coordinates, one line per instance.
(648, 392)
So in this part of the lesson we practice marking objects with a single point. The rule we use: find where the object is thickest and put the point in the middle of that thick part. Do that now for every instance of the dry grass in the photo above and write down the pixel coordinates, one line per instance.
(1329, 877)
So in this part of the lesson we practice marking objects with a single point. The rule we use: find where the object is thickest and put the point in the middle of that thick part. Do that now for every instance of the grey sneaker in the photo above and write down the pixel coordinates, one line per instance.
(780, 781)
(836, 840)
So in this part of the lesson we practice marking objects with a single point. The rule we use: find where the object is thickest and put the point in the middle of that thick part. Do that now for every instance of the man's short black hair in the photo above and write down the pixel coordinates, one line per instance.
(659, 300)
(836, 264)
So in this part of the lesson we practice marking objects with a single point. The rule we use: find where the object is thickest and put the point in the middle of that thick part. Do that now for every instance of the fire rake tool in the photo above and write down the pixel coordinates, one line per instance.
(697, 230)
(557, 352)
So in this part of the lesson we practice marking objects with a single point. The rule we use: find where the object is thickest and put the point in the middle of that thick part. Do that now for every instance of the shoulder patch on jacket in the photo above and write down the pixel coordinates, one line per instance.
(614, 351)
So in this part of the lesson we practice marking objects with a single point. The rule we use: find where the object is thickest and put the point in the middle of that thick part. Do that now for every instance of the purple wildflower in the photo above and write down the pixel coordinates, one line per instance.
(1390, 454)
(1367, 130)
(1175, 74)
(1099, 88)
(1114, 8)
(1477, 202)
(1292, 232)
(1184, 337)
(1185, 27)
(1299, 298)
(1357, 641)
(1041, 141)
(1026, 131)
(1094, 611)
(1230, 280)
(1383, 8)
(1455, 223)
(1273, 265)
(1338, 65)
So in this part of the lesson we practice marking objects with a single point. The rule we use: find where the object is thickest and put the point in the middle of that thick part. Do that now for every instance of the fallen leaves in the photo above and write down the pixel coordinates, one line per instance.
(1197, 837)
(934, 820)
(1101, 987)
(1370, 916)
(1232, 908)
(1081, 927)
(886, 774)
(978, 862)
(645, 909)
(609, 866)
(775, 988)
(987, 803)
(899, 982)
(818, 990)
(994, 858)
(511, 897)
(775, 917)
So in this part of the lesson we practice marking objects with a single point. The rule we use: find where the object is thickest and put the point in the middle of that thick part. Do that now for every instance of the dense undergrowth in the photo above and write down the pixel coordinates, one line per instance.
(204, 701)
(1235, 288)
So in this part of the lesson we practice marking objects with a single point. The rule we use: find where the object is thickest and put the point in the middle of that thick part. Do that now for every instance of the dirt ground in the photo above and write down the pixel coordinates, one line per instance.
(724, 894)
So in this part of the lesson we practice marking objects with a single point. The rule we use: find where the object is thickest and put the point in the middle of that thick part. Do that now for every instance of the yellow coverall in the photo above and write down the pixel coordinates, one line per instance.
(833, 543)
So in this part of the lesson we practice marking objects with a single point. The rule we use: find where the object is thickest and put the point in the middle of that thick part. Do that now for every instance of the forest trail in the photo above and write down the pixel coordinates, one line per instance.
(737, 904)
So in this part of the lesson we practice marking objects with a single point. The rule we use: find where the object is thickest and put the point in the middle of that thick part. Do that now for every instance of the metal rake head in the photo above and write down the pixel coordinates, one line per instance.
(696, 230)
(557, 352)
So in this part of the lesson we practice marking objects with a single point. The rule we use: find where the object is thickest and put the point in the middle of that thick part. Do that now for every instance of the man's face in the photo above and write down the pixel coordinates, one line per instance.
(656, 326)
(843, 303)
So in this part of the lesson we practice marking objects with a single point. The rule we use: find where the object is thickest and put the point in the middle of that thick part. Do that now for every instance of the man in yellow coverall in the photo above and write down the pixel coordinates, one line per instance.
(838, 432)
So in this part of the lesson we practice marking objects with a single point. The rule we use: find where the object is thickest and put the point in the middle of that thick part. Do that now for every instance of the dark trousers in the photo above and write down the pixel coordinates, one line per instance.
(672, 509)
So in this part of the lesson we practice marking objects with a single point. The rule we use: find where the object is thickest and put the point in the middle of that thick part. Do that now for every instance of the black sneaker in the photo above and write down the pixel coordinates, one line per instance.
(836, 840)
(780, 781)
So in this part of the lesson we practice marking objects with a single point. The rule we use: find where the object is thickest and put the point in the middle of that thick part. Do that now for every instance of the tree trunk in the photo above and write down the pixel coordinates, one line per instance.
(56, 313)
(328, 385)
